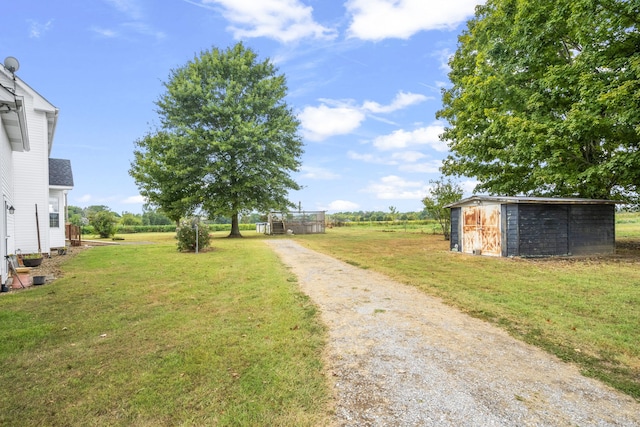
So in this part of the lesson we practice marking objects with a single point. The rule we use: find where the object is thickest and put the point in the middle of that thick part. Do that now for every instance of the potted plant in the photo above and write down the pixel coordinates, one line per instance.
(32, 260)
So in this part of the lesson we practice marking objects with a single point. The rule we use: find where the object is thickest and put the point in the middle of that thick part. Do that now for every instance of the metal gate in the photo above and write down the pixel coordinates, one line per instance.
(481, 230)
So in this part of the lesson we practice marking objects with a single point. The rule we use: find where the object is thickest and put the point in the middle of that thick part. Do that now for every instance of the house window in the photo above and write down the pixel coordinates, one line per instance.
(54, 213)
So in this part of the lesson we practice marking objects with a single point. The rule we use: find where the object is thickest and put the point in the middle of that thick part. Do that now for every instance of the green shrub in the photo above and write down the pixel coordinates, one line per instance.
(104, 223)
(186, 236)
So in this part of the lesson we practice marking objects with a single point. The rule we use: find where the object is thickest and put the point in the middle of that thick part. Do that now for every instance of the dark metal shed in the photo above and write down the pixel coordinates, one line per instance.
(532, 226)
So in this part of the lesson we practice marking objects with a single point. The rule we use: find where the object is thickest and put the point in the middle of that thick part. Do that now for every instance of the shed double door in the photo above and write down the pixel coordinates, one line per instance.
(481, 229)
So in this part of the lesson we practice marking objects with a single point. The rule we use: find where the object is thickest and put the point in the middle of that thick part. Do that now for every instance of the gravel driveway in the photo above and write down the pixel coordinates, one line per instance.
(397, 357)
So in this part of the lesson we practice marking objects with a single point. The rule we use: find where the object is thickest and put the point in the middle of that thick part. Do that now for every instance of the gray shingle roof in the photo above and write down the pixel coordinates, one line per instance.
(60, 173)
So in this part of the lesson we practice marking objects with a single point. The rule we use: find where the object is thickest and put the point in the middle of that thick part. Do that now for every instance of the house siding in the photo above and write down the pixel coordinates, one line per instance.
(6, 184)
(32, 187)
(56, 234)
(25, 145)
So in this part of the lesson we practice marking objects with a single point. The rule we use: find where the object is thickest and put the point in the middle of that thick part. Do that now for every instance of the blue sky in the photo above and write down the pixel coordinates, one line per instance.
(364, 78)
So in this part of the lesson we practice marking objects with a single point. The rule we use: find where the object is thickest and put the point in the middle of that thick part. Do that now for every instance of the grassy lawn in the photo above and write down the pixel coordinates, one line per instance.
(142, 335)
(585, 310)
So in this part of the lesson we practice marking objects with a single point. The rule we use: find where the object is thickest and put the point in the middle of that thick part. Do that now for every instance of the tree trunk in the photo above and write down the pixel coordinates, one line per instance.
(235, 228)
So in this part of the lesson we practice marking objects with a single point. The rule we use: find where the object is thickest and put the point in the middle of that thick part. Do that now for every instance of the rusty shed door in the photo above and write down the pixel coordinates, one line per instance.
(481, 229)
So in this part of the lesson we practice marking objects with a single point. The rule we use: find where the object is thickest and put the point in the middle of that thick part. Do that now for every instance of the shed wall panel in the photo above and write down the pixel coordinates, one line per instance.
(454, 239)
(592, 229)
(512, 235)
(543, 230)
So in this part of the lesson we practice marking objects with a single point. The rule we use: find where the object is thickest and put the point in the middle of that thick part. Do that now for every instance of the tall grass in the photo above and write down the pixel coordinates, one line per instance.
(143, 335)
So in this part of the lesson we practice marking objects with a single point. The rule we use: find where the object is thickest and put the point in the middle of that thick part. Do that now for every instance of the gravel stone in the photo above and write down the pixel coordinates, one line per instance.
(398, 357)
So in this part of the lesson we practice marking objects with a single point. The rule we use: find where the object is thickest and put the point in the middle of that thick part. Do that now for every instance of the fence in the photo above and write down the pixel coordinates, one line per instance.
(298, 222)
(73, 234)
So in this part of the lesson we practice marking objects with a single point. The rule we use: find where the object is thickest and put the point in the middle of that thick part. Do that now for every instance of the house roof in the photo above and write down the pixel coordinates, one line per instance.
(479, 199)
(60, 174)
(38, 102)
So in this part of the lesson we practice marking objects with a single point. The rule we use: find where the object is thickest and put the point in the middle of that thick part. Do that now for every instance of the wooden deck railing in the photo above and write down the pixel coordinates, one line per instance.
(73, 234)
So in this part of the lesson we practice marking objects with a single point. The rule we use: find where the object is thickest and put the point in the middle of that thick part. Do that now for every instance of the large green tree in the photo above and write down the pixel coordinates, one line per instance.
(228, 142)
(546, 99)
(167, 173)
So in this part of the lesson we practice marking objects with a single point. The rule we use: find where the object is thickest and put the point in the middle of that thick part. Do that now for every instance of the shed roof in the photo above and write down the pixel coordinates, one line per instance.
(60, 173)
(479, 199)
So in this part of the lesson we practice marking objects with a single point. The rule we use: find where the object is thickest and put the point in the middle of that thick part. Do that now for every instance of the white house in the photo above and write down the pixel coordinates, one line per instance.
(34, 187)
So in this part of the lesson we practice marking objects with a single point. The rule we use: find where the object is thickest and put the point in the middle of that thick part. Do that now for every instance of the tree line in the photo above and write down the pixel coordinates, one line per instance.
(84, 216)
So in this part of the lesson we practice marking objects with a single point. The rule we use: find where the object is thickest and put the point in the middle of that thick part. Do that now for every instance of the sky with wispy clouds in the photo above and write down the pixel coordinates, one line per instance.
(364, 78)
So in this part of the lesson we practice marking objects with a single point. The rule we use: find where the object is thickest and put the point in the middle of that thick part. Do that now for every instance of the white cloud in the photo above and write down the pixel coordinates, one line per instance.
(400, 139)
(468, 187)
(371, 158)
(393, 187)
(432, 166)
(311, 172)
(444, 56)
(131, 8)
(144, 29)
(393, 159)
(136, 24)
(134, 200)
(379, 19)
(408, 156)
(282, 20)
(319, 123)
(342, 206)
(36, 29)
(85, 198)
(340, 117)
(402, 100)
(105, 32)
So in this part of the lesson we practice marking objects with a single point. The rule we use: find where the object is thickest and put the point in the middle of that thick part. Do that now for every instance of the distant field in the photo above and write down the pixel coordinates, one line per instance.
(628, 225)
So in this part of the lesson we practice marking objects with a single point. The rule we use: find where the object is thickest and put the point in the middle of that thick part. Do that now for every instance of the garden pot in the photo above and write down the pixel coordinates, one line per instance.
(39, 280)
(31, 262)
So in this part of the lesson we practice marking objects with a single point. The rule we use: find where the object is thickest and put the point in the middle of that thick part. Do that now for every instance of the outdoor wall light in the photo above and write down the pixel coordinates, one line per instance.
(11, 209)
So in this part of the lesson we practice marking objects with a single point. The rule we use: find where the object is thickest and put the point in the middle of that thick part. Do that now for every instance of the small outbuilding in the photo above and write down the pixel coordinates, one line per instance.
(302, 222)
(532, 226)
